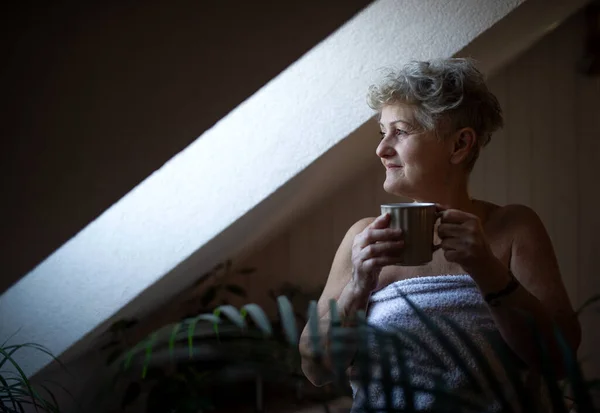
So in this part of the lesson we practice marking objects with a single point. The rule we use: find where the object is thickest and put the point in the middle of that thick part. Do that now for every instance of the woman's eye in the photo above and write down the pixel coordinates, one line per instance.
(382, 134)
(401, 132)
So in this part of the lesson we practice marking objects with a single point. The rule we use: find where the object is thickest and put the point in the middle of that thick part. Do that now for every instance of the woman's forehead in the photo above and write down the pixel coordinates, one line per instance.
(395, 113)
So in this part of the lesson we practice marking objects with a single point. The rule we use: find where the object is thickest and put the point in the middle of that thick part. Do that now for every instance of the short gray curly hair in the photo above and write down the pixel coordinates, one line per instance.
(450, 92)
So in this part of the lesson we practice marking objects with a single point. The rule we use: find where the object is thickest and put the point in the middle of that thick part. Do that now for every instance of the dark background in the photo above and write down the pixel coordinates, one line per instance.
(97, 96)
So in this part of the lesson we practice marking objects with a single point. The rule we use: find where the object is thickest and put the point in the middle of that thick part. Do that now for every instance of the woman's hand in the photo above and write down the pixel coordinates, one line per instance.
(463, 240)
(374, 248)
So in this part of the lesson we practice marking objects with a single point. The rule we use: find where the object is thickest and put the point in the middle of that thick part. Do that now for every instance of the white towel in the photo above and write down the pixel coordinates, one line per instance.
(457, 298)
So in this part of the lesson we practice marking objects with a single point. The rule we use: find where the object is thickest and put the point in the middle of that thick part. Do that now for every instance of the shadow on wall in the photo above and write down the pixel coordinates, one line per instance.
(91, 92)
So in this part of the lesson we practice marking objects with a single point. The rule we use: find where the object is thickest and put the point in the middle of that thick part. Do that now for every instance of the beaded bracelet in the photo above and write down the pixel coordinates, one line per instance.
(492, 298)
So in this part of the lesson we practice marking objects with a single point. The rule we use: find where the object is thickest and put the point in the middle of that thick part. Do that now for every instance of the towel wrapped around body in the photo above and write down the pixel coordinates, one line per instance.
(428, 362)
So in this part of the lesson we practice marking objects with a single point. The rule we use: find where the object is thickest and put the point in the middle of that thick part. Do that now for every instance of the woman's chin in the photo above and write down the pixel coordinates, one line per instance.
(396, 188)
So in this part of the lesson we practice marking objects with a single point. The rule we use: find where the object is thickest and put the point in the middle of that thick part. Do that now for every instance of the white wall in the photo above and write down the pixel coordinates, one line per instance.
(546, 157)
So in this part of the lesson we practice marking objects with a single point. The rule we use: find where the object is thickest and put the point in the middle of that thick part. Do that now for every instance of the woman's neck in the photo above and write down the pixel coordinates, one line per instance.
(453, 196)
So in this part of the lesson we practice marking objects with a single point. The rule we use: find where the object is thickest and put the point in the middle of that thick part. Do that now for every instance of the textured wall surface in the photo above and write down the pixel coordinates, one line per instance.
(546, 157)
(160, 226)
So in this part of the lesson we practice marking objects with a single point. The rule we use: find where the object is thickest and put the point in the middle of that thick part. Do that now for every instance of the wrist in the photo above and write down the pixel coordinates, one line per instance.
(491, 276)
(354, 298)
(356, 291)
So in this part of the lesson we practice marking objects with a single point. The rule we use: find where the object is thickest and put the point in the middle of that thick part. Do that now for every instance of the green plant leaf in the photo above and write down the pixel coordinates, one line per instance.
(5, 389)
(131, 353)
(232, 314)
(172, 338)
(23, 376)
(260, 318)
(66, 391)
(149, 345)
(236, 290)
(37, 400)
(288, 321)
(54, 404)
(14, 348)
(10, 337)
(192, 328)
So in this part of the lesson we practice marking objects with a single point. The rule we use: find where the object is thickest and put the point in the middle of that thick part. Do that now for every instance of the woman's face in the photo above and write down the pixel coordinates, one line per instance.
(417, 162)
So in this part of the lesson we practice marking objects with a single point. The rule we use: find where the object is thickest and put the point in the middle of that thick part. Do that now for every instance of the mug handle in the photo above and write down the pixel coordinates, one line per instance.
(436, 247)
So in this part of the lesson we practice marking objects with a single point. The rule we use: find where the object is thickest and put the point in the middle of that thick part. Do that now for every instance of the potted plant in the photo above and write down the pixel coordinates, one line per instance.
(17, 392)
(183, 340)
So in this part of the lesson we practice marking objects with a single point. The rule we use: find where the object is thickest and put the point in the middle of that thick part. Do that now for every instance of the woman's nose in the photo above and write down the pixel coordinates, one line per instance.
(384, 149)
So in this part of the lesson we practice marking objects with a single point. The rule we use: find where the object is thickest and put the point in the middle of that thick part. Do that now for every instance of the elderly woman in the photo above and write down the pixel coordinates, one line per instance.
(434, 118)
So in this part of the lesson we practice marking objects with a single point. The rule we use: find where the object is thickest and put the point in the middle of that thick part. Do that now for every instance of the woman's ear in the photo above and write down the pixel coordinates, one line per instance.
(463, 143)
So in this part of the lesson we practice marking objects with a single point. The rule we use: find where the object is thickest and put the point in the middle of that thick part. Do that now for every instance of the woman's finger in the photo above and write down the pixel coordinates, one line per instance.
(450, 230)
(452, 244)
(455, 216)
(379, 235)
(379, 262)
(441, 208)
(382, 249)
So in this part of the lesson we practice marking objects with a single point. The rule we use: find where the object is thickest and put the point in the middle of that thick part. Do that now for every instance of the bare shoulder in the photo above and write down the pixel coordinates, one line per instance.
(341, 267)
(360, 225)
(344, 250)
(517, 218)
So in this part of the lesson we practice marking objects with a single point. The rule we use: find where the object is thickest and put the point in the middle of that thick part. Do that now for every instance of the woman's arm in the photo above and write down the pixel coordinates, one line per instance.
(367, 247)
(540, 296)
(349, 302)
